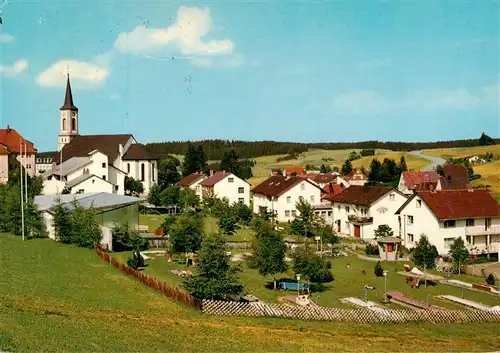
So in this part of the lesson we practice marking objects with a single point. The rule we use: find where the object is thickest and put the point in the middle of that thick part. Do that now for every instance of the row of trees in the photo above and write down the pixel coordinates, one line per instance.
(215, 149)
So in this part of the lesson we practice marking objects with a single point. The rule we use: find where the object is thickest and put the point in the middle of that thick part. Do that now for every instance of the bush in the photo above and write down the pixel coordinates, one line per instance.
(328, 264)
(136, 261)
(124, 239)
(379, 271)
(371, 249)
(490, 279)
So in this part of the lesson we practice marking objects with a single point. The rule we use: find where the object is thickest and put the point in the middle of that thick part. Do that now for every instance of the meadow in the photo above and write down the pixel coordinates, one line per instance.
(61, 298)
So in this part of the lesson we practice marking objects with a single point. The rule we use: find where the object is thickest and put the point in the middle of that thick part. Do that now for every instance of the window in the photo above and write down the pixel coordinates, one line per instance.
(338, 207)
(241, 200)
(448, 242)
(392, 197)
(468, 239)
(410, 238)
(241, 190)
(287, 213)
(329, 213)
(64, 125)
(449, 223)
(198, 188)
(469, 222)
(104, 177)
(116, 187)
(410, 219)
(323, 213)
(294, 213)
(419, 203)
(301, 198)
(142, 172)
(73, 124)
(312, 198)
(347, 225)
(128, 168)
(288, 199)
(81, 191)
(28, 166)
(230, 180)
(93, 181)
(303, 186)
(153, 171)
(104, 165)
(364, 211)
(347, 209)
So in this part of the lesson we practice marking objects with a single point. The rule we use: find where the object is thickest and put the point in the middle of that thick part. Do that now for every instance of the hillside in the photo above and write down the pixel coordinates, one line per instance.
(61, 298)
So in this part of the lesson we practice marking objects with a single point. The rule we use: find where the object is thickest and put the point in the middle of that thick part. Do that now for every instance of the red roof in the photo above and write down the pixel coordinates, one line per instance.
(298, 170)
(321, 178)
(355, 175)
(190, 179)
(214, 179)
(332, 190)
(413, 179)
(278, 185)
(3, 150)
(361, 195)
(11, 139)
(455, 177)
(460, 204)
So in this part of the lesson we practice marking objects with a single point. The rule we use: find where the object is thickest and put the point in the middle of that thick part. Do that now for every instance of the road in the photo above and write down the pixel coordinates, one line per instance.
(435, 161)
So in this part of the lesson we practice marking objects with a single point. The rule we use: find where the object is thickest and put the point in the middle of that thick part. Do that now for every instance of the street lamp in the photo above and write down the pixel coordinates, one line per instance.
(317, 238)
(298, 284)
(385, 285)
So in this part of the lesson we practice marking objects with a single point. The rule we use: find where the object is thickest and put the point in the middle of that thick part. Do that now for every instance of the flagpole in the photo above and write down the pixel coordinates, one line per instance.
(26, 171)
(22, 193)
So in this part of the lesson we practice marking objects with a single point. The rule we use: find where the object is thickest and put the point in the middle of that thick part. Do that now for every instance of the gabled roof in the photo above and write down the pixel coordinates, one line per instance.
(70, 166)
(455, 177)
(82, 145)
(321, 178)
(277, 185)
(355, 175)
(97, 200)
(78, 180)
(137, 152)
(362, 195)
(190, 179)
(413, 179)
(458, 204)
(214, 179)
(332, 190)
(290, 170)
(11, 139)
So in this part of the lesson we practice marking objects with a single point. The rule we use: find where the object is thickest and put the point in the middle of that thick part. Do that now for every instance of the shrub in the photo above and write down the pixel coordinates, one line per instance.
(136, 261)
(379, 271)
(328, 264)
(124, 239)
(371, 249)
(490, 279)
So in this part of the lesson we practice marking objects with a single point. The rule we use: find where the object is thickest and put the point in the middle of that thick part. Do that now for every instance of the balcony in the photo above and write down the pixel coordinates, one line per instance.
(481, 249)
(481, 230)
(358, 219)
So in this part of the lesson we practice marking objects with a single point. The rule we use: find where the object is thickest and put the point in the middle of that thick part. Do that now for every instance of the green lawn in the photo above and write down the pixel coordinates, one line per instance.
(58, 298)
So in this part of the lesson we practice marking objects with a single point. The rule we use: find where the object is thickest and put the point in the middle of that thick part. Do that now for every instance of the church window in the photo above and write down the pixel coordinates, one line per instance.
(64, 124)
(73, 124)
(153, 170)
(142, 172)
(128, 168)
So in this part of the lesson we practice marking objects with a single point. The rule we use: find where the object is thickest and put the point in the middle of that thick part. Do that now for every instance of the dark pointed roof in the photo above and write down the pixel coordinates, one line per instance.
(68, 99)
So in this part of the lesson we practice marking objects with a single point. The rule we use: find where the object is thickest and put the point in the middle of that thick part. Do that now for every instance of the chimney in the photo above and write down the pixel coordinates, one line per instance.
(211, 172)
(8, 128)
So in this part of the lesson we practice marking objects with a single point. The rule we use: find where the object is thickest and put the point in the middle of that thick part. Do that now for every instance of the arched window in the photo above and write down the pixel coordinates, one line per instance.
(153, 171)
(142, 172)
(64, 124)
(128, 168)
(73, 124)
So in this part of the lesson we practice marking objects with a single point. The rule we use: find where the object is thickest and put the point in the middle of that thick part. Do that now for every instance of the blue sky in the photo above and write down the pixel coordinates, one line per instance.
(291, 71)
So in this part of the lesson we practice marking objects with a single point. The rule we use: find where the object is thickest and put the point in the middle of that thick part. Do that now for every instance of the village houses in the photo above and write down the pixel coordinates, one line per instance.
(455, 177)
(15, 149)
(193, 182)
(226, 185)
(443, 216)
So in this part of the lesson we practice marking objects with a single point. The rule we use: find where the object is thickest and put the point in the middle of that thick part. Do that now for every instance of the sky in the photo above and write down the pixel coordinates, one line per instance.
(253, 70)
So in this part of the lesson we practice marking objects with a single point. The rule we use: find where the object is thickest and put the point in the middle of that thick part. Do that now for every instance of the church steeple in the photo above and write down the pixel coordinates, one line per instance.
(68, 99)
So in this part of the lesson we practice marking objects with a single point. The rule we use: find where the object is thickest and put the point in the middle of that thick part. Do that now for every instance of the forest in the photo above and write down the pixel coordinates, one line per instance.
(215, 149)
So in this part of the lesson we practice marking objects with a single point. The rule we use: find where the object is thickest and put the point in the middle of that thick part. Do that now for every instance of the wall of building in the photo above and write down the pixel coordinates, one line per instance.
(99, 165)
(150, 172)
(4, 168)
(117, 178)
(30, 162)
(92, 184)
(231, 190)
(53, 186)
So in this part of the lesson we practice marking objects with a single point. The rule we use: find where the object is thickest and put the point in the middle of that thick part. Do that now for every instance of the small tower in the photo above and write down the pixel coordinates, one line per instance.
(68, 119)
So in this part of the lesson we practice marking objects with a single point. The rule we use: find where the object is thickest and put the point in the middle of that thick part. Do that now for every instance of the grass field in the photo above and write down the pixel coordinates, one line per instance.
(463, 151)
(57, 298)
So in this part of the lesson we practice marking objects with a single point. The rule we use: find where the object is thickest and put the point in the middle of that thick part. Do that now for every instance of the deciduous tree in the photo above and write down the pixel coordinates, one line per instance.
(459, 253)
(383, 230)
(425, 254)
(346, 167)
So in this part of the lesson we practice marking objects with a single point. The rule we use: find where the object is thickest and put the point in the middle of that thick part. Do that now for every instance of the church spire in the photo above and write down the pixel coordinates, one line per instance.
(68, 99)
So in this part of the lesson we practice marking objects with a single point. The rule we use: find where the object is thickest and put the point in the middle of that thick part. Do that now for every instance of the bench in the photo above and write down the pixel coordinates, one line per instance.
(143, 229)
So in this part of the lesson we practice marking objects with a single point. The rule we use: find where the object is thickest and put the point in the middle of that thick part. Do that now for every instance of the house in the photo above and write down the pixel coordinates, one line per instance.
(96, 158)
(15, 149)
(359, 210)
(476, 160)
(443, 216)
(44, 161)
(226, 185)
(294, 171)
(455, 177)
(408, 181)
(193, 182)
(111, 211)
(322, 179)
(356, 177)
(332, 190)
(279, 194)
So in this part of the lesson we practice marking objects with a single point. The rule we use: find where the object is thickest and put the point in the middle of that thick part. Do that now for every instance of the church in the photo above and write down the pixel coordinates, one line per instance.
(93, 163)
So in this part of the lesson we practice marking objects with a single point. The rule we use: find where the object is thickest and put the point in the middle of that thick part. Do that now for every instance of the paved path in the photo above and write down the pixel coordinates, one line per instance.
(434, 161)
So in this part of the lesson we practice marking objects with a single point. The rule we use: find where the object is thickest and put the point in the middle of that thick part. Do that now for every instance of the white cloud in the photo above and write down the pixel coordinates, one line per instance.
(84, 74)
(373, 64)
(368, 102)
(15, 69)
(5, 38)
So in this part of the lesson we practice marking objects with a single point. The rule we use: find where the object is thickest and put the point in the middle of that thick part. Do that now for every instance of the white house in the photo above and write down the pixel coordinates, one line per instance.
(193, 182)
(226, 185)
(443, 216)
(359, 210)
(109, 158)
(279, 194)
(111, 210)
(356, 177)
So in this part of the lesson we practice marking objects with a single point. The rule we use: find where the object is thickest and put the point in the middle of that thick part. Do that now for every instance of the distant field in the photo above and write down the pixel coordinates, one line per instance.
(463, 151)
(490, 175)
(412, 162)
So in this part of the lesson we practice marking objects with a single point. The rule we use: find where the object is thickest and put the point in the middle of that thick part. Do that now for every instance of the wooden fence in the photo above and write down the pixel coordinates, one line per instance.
(259, 309)
(151, 282)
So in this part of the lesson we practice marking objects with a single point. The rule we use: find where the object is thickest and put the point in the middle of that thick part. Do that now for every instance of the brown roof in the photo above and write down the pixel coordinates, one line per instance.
(361, 195)
(426, 186)
(298, 170)
(214, 179)
(68, 98)
(278, 185)
(138, 152)
(321, 178)
(455, 177)
(332, 190)
(412, 179)
(11, 139)
(190, 179)
(460, 204)
(82, 145)
(355, 175)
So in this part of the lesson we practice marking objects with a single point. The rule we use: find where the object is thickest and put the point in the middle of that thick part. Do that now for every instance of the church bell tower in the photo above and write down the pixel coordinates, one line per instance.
(68, 117)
